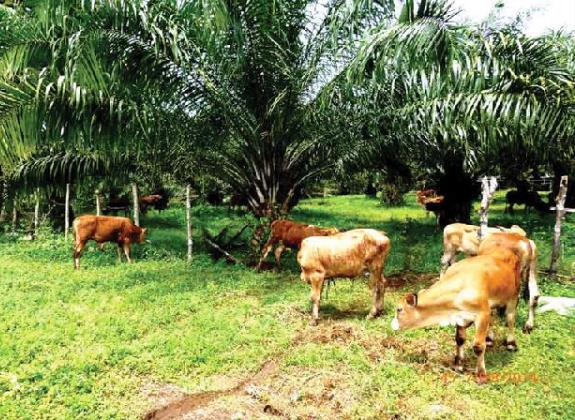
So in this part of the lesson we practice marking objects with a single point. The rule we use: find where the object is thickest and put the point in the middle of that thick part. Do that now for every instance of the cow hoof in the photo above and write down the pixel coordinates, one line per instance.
(457, 364)
(489, 342)
(481, 378)
(527, 329)
(372, 315)
(313, 322)
(511, 346)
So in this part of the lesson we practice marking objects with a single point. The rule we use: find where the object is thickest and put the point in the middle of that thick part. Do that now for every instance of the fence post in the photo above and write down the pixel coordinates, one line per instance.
(560, 206)
(136, 204)
(489, 185)
(67, 212)
(98, 204)
(189, 221)
(37, 213)
(14, 216)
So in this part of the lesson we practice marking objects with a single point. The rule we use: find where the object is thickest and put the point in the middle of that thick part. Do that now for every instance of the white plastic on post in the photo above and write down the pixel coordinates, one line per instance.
(560, 207)
(98, 205)
(37, 213)
(489, 185)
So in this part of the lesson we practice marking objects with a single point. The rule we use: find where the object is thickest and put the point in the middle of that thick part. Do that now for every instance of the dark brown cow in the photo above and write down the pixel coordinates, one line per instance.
(290, 234)
(151, 200)
(102, 229)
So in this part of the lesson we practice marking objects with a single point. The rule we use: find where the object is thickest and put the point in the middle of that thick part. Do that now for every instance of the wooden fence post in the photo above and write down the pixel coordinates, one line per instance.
(67, 212)
(489, 185)
(98, 204)
(4, 200)
(189, 221)
(560, 207)
(136, 204)
(14, 216)
(37, 213)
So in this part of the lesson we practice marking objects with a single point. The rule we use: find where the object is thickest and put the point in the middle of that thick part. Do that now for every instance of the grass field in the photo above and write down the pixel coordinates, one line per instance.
(118, 341)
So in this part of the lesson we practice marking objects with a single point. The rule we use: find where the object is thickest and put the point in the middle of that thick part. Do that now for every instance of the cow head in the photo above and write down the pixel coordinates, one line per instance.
(407, 314)
(142, 235)
(332, 231)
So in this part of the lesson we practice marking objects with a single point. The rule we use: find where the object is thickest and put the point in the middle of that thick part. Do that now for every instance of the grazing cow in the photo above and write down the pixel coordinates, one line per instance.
(290, 234)
(526, 251)
(464, 296)
(347, 254)
(102, 229)
(460, 237)
(528, 198)
(150, 200)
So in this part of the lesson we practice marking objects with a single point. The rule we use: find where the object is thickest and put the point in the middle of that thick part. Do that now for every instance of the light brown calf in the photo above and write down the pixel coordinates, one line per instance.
(465, 296)
(290, 234)
(348, 254)
(460, 237)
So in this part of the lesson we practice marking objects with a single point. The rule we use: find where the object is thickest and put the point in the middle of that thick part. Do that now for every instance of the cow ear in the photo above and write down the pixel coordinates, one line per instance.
(411, 299)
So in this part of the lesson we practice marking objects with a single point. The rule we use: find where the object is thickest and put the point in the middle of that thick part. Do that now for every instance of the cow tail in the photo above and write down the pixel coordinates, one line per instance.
(526, 292)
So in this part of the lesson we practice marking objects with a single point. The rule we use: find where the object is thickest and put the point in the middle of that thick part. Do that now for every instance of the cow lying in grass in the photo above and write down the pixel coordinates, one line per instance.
(348, 254)
(102, 229)
(460, 237)
(290, 234)
(466, 294)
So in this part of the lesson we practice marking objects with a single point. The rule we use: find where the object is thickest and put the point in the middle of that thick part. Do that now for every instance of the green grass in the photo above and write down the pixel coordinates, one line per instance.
(88, 344)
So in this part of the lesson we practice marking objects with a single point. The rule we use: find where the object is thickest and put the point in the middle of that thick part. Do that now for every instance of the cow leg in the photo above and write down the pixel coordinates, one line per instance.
(510, 311)
(447, 260)
(119, 251)
(490, 337)
(127, 252)
(481, 327)
(316, 281)
(377, 282)
(265, 251)
(100, 246)
(460, 334)
(278, 253)
(78, 247)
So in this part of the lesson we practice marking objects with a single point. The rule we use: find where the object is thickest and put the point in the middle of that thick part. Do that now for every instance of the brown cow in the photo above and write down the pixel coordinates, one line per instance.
(526, 250)
(290, 234)
(464, 296)
(348, 254)
(102, 229)
(460, 237)
(150, 200)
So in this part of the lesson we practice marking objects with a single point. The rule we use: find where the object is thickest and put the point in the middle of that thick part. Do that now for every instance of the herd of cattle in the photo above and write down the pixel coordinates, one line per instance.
(465, 294)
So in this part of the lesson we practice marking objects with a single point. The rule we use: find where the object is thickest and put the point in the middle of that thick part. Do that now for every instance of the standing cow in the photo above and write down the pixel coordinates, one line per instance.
(465, 295)
(102, 229)
(290, 234)
(348, 254)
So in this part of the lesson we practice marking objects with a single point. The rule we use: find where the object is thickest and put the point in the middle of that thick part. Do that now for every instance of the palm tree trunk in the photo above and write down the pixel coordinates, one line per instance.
(37, 213)
(459, 189)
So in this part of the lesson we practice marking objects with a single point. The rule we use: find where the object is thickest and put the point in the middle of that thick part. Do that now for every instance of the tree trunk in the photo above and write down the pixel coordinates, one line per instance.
(98, 204)
(458, 189)
(189, 221)
(37, 213)
(560, 204)
(136, 204)
(67, 212)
